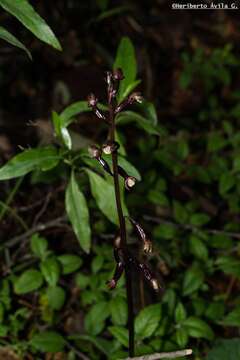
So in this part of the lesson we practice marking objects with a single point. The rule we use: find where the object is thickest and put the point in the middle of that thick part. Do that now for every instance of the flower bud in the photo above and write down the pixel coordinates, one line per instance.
(110, 147)
(92, 100)
(130, 181)
(135, 97)
(118, 74)
(109, 77)
(117, 274)
(111, 284)
(147, 246)
(155, 285)
(94, 151)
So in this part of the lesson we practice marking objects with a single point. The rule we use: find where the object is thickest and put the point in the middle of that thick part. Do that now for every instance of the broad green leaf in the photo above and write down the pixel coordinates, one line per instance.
(82, 280)
(48, 341)
(180, 313)
(51, 270)
(199, 219)
(21, 164)
(165, 231)
(142, 122)
(28, 281)
(39, 245)
(181, 337)
(215, 311)
(130, 88)
(103, 345)
(193, 280)
(118, 308)
(227, 181)
(229, 265)
(147, 321)
(70, 263)
(73, 110)
(61, 131)
(26, 14)
(180, 213)
(221, 241)
(56, 297)
(11, 39)
(104, 194)
(198, 248)
(227, 349)
(94, 319)
(125, 59)
(97, 263)
(232, 318)
(120, 333)
(77, 210)
(198, 328)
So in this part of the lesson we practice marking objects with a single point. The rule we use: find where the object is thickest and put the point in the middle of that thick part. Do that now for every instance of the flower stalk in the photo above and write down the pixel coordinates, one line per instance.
(124, 260)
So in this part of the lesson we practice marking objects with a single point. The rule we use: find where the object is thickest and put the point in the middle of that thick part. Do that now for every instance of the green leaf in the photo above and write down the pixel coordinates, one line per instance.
(38, 245)
(182, 337)
(199, 219)
(61, 131)
(198, 328)
(227, 181)
(48, 341)
(225, 350)
(120, 333)
(101, 344)
(77, 210)
(221, 241)
(94, 320)
(126, 117)
(215, 311)
(198, 248)
(232, 318)
(125, 59)
(126, 165)
(229, 265)
(130, 88)
(97, 263)
(193, 280)
(118, 308)
(104, 194)
(165, 231)
(28, 281)
(50, 270)
(180, 313)
(56, 297)
(180, 213)
(72, 110)
(147, 321)
(82, 280)
(42, 158)
(11, 39)
(26, 14)
(216, 141)
(70, 263)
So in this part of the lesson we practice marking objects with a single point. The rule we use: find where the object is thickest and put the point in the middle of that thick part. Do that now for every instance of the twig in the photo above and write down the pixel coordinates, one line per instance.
(163, 355)
(191, 227)
(13, 213)
(43, 209)
(40, 227)
(10, 197)
(78, 353)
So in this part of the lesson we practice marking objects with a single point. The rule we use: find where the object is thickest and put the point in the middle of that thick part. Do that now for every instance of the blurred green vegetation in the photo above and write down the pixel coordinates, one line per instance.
(53, 296)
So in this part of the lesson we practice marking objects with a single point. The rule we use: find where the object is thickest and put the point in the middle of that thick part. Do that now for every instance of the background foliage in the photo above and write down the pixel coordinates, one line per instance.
(57, 214)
